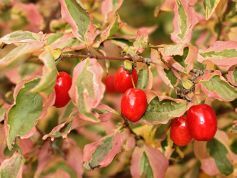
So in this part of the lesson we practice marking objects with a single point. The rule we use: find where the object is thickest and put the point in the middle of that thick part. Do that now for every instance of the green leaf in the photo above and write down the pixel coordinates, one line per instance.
(142, 78)
(228, 53)
(99, 154)
(145, 162)
(102, 152)
(48, 78)
(78, 18)
(219, 152)
(145, 167)
(162, 111)
(210, 6)
(10, 168)
(181, 59)
(221, 53)
(170, 75)
(182, 19)
(18, 55)
(53, 37)
(23, 116)
(60, 165)
(219, 89)
(20, 37)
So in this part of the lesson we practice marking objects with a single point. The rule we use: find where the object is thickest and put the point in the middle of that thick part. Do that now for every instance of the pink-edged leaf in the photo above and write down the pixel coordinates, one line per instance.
(191, 58)
(101, 153)
(179, 56)
(185, 19)
(19, 55)
(215, 86)
(109, 30)
(221, 53)
(78, 18)
(26, 145)
(209, 167)
(49, 74)
(219, 152)
(207, 163)
(74, 156)
(12, 167)
(21, 37)
(44, 155)
(63, 129)
(166, 75)
(32, 14)
(87, 88)
(109, 8)
(148, 162)
(210, 6)
(232, 76)
(27, 109)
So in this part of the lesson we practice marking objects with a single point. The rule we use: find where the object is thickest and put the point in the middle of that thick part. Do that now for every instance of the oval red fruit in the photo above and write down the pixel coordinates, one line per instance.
(202, 122)
(62, 86)
(109, 83)
(123, 79)
(179, 131)
(133, 104)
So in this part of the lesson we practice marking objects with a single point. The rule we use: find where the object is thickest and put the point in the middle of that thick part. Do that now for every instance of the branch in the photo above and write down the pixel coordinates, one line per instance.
(135, 59)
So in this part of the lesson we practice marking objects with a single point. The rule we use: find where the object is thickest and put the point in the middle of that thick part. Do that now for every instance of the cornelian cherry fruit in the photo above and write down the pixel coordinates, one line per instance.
(202, 122)
(133, 104)
(179, 131)
(123, 79)
(62, 86)
(109, 83)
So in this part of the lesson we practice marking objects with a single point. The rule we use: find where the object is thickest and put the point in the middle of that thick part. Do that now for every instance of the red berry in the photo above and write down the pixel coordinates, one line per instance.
(179, 131)
(62, 86)
(109, 83)
(123, 79)
(202, 122)
(133, 104)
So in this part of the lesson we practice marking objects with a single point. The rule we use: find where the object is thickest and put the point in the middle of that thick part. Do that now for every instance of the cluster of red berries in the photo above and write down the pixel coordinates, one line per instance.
(200, 124)
(134, 101)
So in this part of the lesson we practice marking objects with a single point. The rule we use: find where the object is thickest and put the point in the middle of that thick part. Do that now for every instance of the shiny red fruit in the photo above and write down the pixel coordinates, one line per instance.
(62, 86)
(109, 83)
(123, 79)
(179, 131)
(133, 104)
(202, 122)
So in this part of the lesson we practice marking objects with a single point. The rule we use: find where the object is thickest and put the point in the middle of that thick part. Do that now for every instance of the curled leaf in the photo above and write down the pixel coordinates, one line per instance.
(49, 74)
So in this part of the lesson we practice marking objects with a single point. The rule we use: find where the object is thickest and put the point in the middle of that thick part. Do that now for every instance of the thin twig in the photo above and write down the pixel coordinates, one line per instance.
(76, 55)
(126, 124)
